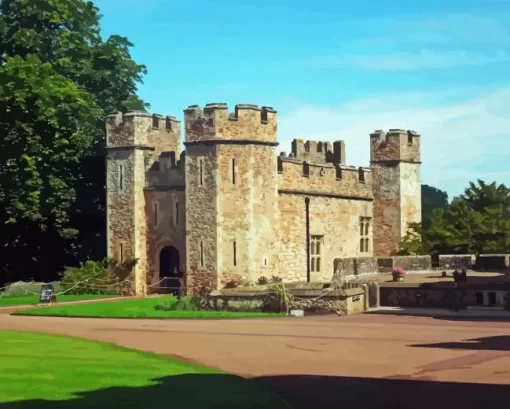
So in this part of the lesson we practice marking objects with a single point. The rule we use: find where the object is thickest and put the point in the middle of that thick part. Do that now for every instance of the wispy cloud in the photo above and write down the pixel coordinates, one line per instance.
(422, 60)
(461, 141)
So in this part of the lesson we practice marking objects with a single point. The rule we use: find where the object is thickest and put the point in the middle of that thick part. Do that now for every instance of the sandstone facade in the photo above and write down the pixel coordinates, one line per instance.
(228, 207)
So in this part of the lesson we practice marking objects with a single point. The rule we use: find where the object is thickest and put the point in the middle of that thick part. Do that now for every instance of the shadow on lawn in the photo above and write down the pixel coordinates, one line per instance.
(226, 391)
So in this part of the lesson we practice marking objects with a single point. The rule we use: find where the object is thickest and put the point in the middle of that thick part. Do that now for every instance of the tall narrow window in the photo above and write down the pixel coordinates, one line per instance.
(121, 253)
(156, 214)
(234, 253)
(201, 254)
(121, 177)
(364, 232)
(176, 213)
(233, 171)
(316, 253)
(201, 172)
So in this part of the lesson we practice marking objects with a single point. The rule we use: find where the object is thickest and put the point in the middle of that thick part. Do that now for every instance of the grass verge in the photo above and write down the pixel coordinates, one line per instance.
(9, 301)
(134, 308)
(41, 371)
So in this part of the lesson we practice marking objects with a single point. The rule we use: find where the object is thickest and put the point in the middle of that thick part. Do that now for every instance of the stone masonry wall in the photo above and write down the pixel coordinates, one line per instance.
(410, 191)
(386, 224)
(247, 212)
(408, 263)
(201, 221)
(168, 230)
(337, 220)
(456, 261)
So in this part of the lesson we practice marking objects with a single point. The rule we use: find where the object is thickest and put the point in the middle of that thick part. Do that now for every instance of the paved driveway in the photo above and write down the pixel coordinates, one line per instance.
(364, 361)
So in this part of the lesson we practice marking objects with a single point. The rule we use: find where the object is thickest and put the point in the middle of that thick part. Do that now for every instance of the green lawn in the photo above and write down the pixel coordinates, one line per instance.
(134, 308)
(40, 371)
(7, 301)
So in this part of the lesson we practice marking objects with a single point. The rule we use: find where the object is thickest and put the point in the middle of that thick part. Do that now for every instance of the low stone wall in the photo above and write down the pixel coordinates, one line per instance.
(456, 261)
(344, 267)
(408, 263)
(313, 298)
(492, 262)
(441, 295)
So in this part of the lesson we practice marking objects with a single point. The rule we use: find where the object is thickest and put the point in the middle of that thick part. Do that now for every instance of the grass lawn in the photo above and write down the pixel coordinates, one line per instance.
(7, 301)
(134, 308)
(41, 371)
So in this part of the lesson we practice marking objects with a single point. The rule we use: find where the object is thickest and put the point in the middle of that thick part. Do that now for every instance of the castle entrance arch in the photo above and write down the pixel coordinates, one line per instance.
(169, 262)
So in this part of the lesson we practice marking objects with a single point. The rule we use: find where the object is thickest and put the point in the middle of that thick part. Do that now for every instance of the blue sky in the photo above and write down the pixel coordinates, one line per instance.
(338, 70)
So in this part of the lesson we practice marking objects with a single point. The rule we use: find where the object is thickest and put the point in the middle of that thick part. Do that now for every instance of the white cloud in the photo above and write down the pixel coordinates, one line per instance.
(422, 60)
(460, 142)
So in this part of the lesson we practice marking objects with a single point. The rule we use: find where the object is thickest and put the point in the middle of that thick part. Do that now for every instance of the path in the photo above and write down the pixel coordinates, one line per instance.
(387, 349)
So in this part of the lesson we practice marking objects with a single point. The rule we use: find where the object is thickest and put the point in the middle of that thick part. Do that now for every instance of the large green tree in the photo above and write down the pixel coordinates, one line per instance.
(478, 221)
(58, 79)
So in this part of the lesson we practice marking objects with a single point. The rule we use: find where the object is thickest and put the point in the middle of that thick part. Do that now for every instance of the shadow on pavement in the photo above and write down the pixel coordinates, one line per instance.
(193, 391)
(496, 343)
(368, 393)
(310, 392)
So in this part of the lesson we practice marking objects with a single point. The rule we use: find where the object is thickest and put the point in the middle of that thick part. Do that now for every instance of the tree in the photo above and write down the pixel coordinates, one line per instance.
(478, 221)
(58, 79)
(432, 198)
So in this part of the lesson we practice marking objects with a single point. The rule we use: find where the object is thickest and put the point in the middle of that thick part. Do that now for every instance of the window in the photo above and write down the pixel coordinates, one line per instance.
(201, 172)
(121, 253)
(233, 171)
(234, 253)
(155, 122)
(409, 139)
(156, 209)
(121, 177)
(316, 253)
(364, 233)
(176, 213)
(201, 254)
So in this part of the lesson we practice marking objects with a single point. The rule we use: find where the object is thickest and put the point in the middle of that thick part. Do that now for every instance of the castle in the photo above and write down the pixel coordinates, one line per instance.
(228, 206)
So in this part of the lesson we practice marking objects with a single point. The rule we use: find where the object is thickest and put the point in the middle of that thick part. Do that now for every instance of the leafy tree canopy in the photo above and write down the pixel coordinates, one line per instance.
(478, 221)
(58, 78)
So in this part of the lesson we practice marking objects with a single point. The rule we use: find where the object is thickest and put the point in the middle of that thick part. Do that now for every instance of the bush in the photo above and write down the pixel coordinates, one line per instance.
(98, 277)
(180, 304)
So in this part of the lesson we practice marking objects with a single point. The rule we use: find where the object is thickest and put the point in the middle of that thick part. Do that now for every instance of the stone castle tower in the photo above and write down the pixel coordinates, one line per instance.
(231, 192)
(228, 207)
(395, 164)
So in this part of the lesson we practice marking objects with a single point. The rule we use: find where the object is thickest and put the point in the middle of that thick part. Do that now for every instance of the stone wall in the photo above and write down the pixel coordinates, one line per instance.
(166, 227)
(492, 262)
(456, 261)
(408, 263)
(441, 295)
(395, 164)
(336, 221)
(345, 267)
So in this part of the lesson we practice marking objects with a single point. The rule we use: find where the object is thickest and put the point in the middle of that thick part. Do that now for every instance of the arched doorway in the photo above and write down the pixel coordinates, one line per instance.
(169, 264)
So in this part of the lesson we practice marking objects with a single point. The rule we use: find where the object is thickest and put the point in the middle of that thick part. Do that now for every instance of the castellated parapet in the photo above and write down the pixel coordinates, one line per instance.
(397, 144)
(248, 122)
(229, 208)
(141, 129)
(319, 152)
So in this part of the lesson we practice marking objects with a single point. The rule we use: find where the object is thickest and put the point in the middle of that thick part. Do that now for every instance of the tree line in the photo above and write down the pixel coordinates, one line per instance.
(475, 222)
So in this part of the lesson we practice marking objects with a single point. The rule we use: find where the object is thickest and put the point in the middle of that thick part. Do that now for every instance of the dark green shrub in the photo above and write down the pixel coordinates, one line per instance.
(98, 277)
(180, 304)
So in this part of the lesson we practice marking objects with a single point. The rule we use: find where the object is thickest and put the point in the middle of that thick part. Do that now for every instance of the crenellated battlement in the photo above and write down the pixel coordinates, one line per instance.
(395, 145)
(214, 122)
(318, 151)
(324, 178)
(167, 171)
(141, 129)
